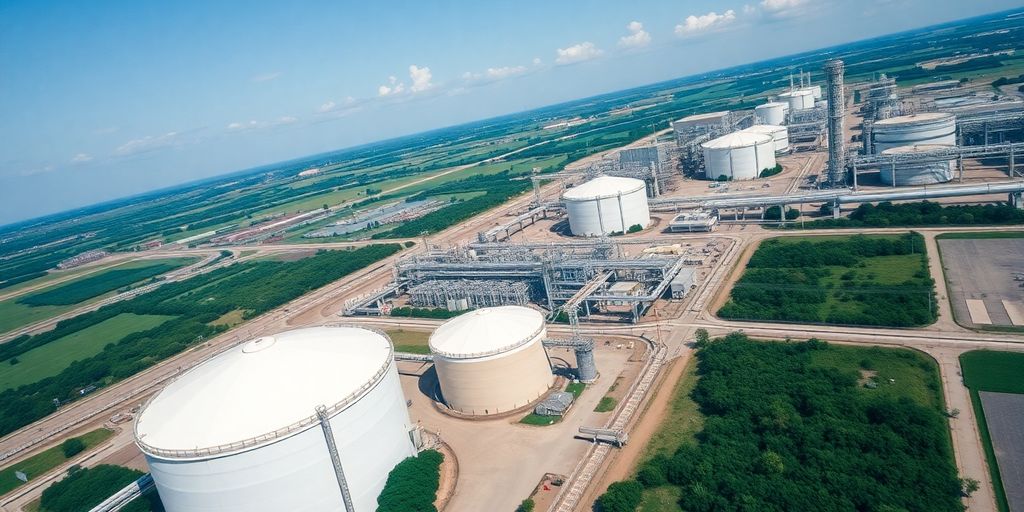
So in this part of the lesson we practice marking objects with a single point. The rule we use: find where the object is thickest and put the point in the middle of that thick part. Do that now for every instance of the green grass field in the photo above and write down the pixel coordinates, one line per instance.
(412, 342)
(14, 315)
(607, 404)
(913, 374)
(52, 358)
(39, 464)
(1001, 372)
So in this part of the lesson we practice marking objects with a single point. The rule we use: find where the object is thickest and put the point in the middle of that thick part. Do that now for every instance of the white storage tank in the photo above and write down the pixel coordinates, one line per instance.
(240, 432)
(605, 205)
(919, 129)
(815, 91)
(779, 134)
(800, 99)
(916, 173)
(492, 360)
(773, 112)
(739, 155)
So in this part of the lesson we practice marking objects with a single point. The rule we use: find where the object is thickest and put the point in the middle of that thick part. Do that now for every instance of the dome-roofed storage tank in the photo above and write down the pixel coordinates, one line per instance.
(779, 134)
(799, 99)
(491, 360)
(739, 155)
(240, 432)
(605, 205)
(916, 173)
(773, 112)
(918, 129)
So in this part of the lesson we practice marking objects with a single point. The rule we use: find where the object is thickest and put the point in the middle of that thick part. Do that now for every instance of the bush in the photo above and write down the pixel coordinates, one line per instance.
(526, 506)
(412, 485)
(621, 497)
(72, 447)
(770, 171)
(924, 213)
(439, 313)
(635, 228)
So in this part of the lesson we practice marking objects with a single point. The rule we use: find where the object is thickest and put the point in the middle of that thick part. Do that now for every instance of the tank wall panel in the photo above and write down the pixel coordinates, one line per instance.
(495, 384)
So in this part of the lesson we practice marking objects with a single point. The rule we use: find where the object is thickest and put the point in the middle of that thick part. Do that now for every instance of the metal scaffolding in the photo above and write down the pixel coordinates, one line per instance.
(443, 293)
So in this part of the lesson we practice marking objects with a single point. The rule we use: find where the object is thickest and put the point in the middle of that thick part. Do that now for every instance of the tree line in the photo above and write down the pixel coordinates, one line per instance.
(924, 213)
(412, 485)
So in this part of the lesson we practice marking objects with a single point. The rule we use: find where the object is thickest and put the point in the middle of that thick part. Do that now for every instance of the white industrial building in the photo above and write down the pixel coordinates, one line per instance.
(925, 128)
(916, 173)
(242, 432)
(773, 113)
(492, 360)
(606, 205)
(739, 155)
(779, 134)
(800, 99)
(693, 221)
(701, 122)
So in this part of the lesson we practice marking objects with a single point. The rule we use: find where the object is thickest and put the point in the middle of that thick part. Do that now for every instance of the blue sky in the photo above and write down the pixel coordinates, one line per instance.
(104, 99)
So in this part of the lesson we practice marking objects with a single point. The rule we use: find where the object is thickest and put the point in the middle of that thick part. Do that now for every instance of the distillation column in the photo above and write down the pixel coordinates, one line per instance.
(836, 114)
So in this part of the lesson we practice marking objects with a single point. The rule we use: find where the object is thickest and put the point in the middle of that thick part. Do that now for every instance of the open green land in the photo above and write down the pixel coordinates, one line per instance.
(51, 358)
(858, 279)
(54, 300)
(412, 342)
(194, 305)
(1001, 372)
(797, 426)
(42, 462)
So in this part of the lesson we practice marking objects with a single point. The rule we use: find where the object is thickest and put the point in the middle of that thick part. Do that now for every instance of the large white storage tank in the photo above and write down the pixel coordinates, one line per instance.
(492, 360)
(779, 134)
(739, 155)
(916, 173)
(800, 99)
(240, 432)
(606, 204)
(773, 112)
(925, 128)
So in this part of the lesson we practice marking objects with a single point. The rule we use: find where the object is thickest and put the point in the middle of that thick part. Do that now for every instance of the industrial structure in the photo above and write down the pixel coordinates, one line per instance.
(739, 156)
(606, 205)
(772, 113)
(309, 419)
(836, 119)
(779, 134)
(916, 172)
(799, 99)
(491, 360)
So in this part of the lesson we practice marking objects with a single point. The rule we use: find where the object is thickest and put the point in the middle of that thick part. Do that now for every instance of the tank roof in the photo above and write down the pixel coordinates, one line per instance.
(486, 332)
(915, 118)
(916, 148)
(738, 139)
(603, 186)
(798, 92)
(772, 104)
(765, 128)
(262, 390)
(704, 116)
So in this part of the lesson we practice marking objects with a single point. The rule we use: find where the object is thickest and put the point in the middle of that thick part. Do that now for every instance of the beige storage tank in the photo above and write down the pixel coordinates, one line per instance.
(916, 173)
(492, 360)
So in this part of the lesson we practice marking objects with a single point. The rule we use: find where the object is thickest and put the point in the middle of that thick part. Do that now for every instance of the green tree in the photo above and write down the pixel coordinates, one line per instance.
(621, 497)
(701, 337)
(72, 447)
(526, 506)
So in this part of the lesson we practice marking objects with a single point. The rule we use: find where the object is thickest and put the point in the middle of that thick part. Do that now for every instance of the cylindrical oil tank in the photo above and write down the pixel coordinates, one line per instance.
(241, 433)
(779, 134)
(800, 99)
(919, 129)
(773, 112)
(815, 91)
(492, 360)
(916, 173)
(739, 155)
(605, 205)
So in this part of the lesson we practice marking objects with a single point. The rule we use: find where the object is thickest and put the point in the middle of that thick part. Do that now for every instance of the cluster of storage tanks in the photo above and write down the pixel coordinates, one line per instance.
(285, 422)
(913, 133)
(744, 154)
(606, 205)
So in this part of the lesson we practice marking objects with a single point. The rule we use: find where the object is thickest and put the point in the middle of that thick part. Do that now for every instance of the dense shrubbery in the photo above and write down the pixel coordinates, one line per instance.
(412, 485)
(72, 447)
(622, 497)
(1001, 81)
(796, 281)
(924, 213)
(86, 488)
(783, 434)
(89, 287)
(770, 171)
(425, 312)
(635, 228)
(775, 212)
(254, 287)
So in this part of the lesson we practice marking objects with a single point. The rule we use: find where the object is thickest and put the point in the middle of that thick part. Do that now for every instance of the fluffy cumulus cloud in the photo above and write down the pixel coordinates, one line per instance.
(391, 88)
(577, 53)
(420, 78)
(705, 22)
(81, 158)
(328, 106)
(637, 38)
(495, 74)
(148, 143)
(786, 8)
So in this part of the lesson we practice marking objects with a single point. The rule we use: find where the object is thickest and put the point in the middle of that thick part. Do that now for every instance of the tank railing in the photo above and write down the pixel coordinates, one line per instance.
(495, 351)
(280, 433)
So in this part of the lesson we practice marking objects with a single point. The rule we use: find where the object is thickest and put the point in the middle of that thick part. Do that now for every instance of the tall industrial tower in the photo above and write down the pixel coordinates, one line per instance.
(836, 114)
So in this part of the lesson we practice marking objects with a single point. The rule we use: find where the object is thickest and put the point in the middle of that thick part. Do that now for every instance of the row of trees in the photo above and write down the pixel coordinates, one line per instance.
(254, 287)
(89, 287)
(412, 485)
(85, 488)
(924, 213)
(781, 433)
(412, 312)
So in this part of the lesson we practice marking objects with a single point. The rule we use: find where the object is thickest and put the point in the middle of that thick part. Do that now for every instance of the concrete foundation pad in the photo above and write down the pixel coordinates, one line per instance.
(979, 315)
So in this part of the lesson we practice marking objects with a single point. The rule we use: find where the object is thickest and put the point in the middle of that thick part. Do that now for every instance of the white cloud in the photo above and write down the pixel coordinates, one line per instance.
(81, 158)
(420, 78)
(779, 9)
(781, 5)
(505, 71)
(637, 38)
(705, 22)
(327, 107)
(240, 126)
(287, 120)
(577, 53)
(537, 61)
(392, 87)
(148, 143)
(266, 77)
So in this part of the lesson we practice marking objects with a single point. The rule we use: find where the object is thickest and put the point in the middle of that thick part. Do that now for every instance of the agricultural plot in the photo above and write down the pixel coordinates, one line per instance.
(858, 280)
(981, 275)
